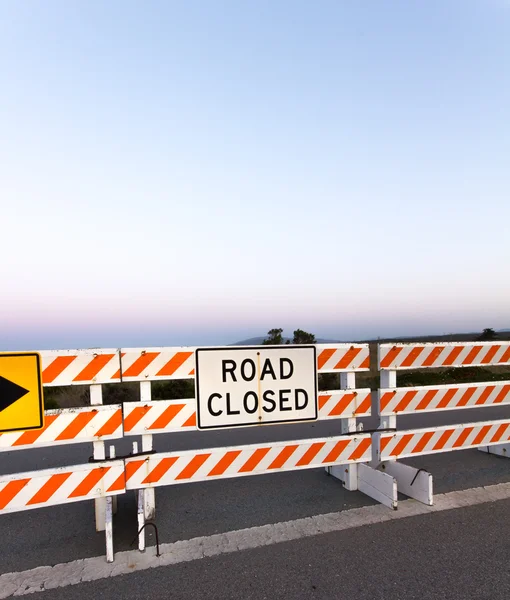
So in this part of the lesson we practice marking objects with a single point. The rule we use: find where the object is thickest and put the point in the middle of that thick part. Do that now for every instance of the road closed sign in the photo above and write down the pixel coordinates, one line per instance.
(260, 385)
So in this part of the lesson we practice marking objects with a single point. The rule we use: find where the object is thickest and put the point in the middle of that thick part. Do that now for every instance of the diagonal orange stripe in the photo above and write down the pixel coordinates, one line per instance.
(171, 411)
(450, 359)
(30, 437)
(341, 405)
(49, 488)
(283, 456)
(399, 448)
(140, 364)
(506, 356)
(407, 398)
(134, 417)
(485, 394)
(490, 354)
(364, 406)
(361, 449)
(427, 399)
(337, 449)
(55, 368)
(324, 356)
(445, 400)
(95, 365)
(119, 484)
(386, 398)
(466, 396)
(116, 375)
(473, 353)
(92, 478)
(111, 426)
(481, 435)
(323, 400)
(77, 424)
(160, 469)
(310, 454)
(133, 466)
(499, 432)
(11, 490)
(174, 363)
(459, 442)
(412, 356)
(365, 364)
(224, 463)
(441, 442)
(384, 442)
(432, 356)
(192, 421)
(424, 440)
(347, 358)
(390, 356)
(254, 460)
(192, 467)
(502, 394)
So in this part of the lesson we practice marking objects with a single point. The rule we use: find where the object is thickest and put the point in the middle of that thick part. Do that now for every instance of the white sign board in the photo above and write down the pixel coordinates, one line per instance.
(254, 386)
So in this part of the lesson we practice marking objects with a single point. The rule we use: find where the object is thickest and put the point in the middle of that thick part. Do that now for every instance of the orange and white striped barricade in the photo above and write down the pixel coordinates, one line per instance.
(25, 491)
(394, 401)
(147, 418)
(92, 367)
(172, 468)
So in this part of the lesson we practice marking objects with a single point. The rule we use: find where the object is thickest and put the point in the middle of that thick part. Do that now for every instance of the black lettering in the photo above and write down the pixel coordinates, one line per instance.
(248, 361)
(284, 375)
(231, 368)
(270, 401)
(301, 392)
(284, 399)
(214, 413)
(245, 402)
(229, 409)
(267, 369)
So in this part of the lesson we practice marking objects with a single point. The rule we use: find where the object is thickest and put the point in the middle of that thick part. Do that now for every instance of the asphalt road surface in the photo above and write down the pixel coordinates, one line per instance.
(461, 553)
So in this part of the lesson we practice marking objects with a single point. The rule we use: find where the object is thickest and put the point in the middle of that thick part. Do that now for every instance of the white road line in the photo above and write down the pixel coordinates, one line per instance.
(93, 569)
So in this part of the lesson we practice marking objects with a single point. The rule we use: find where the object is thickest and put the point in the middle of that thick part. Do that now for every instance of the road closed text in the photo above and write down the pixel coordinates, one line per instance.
(249, 386)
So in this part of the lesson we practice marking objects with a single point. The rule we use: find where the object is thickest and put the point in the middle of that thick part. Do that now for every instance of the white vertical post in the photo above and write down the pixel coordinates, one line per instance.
(114, 498)
(348, 382)
(96, 398)
(348, 474)
(150, 493)
(388, 380)
(109, 528)
(141, 520)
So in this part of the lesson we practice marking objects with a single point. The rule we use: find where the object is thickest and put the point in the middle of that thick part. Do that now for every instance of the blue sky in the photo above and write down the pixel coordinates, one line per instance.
(199, 172)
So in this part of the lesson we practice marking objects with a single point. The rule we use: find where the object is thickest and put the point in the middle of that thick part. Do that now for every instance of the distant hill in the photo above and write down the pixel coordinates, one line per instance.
(257, 341)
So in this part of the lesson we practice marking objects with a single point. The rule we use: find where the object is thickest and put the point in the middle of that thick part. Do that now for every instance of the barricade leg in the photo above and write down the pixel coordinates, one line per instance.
(415, 483)
(500, 450)
(96, 398)
(347, 474)
(141, 520)
(150, 494)
(109, 528)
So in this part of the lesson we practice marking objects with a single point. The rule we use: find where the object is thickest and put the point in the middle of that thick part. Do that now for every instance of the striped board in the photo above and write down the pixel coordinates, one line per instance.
(407, 400)
(393, 357)
(69, 426)
(442, 439)
(25, 491)
(96, 366)
(165, 416)
(220, 463)
(79, 367)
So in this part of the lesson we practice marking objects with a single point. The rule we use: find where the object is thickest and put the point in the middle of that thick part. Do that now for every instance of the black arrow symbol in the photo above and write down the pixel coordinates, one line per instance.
(10, 392)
